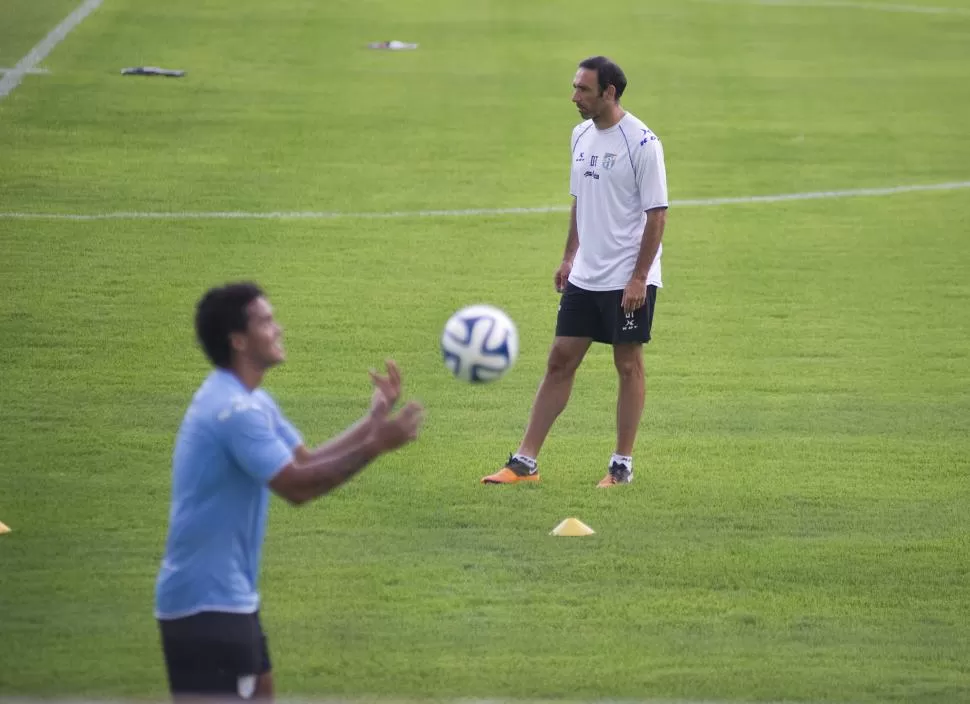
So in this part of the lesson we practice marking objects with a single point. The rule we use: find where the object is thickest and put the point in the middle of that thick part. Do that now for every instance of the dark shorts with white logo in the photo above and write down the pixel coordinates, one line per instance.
(599, 315)
(214, 654)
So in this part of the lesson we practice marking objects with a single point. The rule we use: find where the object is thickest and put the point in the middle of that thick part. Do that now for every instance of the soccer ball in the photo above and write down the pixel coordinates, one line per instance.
(479, 343)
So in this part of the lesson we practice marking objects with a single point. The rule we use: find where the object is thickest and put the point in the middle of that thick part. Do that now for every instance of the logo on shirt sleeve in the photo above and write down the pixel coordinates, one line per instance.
(238, 404)
(648, 136)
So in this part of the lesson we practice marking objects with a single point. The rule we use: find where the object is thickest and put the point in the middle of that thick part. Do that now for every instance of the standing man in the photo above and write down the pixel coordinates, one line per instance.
(610, 270)
(233, 447)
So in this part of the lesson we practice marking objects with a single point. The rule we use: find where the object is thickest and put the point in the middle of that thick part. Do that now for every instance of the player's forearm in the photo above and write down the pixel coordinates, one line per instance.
(572, 238)
(653, 233)
(323, 473)
(350, 437)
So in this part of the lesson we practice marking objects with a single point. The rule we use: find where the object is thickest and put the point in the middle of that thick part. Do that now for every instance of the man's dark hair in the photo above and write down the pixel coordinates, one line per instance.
(221, 312)
(607, 74)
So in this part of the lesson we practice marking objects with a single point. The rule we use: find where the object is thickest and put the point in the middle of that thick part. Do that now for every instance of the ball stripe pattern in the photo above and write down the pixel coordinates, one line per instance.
(479, 343)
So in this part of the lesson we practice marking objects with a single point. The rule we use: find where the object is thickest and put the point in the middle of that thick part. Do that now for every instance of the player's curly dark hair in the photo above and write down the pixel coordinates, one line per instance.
(607, 74)
(221, 312)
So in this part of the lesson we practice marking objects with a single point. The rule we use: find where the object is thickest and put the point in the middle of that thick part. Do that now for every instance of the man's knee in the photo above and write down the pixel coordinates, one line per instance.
(564, 360)
(629, 361)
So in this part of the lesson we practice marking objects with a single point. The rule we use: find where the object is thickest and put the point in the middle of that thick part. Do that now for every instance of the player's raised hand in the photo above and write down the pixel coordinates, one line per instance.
(387, 389)
(392, 432)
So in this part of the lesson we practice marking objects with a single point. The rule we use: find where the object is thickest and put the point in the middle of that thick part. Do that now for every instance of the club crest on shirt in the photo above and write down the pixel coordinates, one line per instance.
(609, 159)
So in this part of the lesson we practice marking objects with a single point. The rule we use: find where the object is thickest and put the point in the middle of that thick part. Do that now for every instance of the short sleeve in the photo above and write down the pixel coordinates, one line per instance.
(573, 185)
(651, 174)
(253, 441)
(286, 431)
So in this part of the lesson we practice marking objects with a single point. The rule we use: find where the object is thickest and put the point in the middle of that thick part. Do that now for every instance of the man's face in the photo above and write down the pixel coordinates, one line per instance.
(262, 342)
(586, 94)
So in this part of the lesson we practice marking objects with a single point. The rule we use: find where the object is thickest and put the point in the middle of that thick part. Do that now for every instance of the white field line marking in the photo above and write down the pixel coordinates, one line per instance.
(12, 78)
(911, 9)
(312, 215)
(849, 5)
(32, 71)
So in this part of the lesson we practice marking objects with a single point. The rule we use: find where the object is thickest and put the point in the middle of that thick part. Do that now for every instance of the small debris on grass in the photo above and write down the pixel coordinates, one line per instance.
(393, 45)
(152, 71)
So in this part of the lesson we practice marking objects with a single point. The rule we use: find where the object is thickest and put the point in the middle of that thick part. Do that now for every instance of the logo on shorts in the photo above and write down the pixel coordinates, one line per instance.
(629, 323)
(246, 686)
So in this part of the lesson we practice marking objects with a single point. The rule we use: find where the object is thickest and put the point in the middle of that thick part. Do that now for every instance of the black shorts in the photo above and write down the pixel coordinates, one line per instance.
(214, 654)
(599, 315)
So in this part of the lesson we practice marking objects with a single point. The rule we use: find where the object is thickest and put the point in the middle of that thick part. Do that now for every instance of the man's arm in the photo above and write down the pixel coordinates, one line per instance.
(387, 390)
(313, 474)
(307, 478)
(572, 246)
(635, 293)
(349, 438)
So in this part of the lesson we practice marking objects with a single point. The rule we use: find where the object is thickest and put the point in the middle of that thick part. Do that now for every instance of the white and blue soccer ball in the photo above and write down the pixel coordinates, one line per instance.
(479, 343)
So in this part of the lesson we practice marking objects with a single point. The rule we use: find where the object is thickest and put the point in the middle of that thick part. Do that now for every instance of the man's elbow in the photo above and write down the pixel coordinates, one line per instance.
(294, 499)
(288, 485)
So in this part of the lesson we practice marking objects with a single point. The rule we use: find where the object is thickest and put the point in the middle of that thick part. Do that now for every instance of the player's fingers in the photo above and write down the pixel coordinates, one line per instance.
(411, 417)
(413, 412)
(380, 387)
(412, 408)
(380, 381)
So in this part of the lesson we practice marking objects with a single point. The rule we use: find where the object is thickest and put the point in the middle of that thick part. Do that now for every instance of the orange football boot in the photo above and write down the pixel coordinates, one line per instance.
(513, 472)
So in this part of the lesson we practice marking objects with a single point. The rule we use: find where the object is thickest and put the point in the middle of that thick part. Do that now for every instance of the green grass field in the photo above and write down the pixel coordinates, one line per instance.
(799, 527)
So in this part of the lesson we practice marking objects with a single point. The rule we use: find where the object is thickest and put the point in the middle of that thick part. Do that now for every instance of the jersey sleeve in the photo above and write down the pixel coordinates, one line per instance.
(573, 185)
(286, 431)
(254, 441)
(651, 174)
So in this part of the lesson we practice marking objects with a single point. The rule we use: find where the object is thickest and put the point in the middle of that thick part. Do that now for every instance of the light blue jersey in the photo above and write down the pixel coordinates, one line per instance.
(232, 442)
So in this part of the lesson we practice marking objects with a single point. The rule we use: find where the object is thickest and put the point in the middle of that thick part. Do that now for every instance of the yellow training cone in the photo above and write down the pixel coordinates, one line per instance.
(3, 529)
(572, 527)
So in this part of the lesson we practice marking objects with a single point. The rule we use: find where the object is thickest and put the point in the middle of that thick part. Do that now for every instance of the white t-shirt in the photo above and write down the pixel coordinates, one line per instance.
(617, 175)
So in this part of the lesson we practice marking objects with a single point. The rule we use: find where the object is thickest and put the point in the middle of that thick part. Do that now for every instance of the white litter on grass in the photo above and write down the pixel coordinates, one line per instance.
(393, 45)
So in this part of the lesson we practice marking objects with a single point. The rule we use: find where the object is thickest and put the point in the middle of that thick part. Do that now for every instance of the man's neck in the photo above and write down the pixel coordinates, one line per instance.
(610, 118)
(249, 375)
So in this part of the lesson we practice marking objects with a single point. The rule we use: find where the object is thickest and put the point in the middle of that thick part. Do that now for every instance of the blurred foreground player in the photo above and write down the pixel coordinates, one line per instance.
(233, 447)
